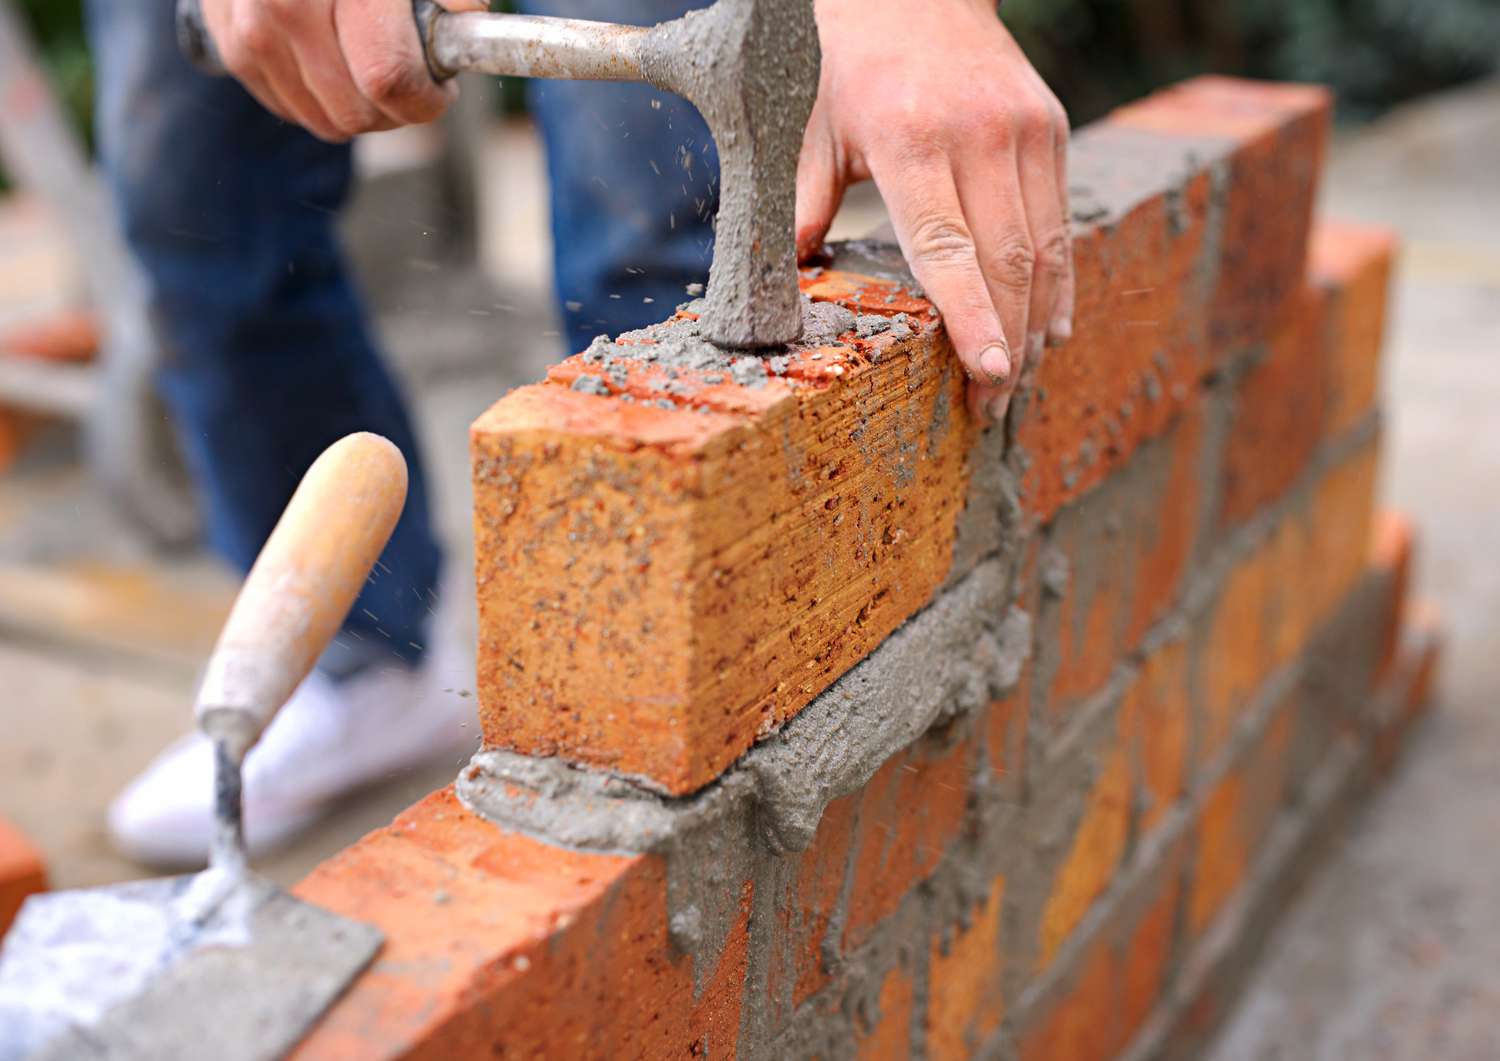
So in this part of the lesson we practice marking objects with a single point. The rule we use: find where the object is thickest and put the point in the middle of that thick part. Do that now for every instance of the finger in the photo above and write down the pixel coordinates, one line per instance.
(819, 189)
(1060, 327)
(385, 59)
(990, 188)
(988, 403)
(256, 52)
(1038, 175)
(324, 70)
(919, 189)
(1060, 319)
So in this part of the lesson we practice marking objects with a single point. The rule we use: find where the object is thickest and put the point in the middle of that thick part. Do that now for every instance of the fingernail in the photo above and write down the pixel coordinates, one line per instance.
(998, 407)
(994, 362)
(1060, 331)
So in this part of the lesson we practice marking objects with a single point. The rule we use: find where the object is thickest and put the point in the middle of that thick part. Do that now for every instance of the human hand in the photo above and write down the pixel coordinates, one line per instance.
(335, 67)
(936, 103)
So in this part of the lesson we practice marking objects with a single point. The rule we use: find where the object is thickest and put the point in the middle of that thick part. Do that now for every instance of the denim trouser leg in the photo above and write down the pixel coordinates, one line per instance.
(268, 358)
(635, 182)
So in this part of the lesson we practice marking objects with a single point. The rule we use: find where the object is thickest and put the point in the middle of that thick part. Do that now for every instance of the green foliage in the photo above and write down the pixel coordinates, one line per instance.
(1096, 53)
(1373, 52)
(57, 28)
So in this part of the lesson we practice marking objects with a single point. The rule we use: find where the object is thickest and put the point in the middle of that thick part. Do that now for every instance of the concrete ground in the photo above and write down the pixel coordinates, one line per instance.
(1392, 951)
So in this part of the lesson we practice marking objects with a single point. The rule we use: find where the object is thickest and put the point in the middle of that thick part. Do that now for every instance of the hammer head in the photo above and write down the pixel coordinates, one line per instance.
(751, 69)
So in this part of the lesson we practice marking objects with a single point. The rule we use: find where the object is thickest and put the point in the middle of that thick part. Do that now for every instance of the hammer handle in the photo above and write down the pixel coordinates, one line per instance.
(527, 45)
(503, 45)
(302, 586)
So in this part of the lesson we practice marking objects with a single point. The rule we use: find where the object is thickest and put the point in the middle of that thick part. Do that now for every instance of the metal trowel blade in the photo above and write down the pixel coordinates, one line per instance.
(123, 973)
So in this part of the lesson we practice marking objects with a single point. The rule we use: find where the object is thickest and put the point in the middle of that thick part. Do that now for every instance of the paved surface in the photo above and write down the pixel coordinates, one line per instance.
(1394, 951)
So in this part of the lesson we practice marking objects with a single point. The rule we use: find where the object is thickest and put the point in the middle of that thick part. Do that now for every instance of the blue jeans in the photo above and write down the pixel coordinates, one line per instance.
(268, 356)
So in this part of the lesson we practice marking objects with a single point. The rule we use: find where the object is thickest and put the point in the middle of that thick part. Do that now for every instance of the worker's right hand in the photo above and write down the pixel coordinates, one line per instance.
(335, 67)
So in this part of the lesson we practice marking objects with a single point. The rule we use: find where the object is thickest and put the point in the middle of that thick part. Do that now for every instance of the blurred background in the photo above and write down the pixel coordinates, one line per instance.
(105, 616)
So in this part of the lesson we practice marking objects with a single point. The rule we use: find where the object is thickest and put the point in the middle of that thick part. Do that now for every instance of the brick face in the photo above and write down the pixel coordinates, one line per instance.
(1279, 132)
(1280, 413)
(1097, 1008)
(890, 1034)
(618, 542)
(1235, 819)
(497, 945)
(1155, 719)
(1097, 848)
(22, 873)
(910, 812)
(1352, 264)
(966, 1000)
(1167, 518)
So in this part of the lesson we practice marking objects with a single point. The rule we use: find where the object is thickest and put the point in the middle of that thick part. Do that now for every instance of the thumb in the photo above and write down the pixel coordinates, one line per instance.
(820, 190)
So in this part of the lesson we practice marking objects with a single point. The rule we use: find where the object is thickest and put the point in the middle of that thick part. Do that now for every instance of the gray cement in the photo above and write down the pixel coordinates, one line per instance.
(961, 653)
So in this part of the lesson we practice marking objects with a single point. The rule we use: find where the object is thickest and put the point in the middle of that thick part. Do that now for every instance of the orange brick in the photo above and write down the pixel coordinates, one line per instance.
(1338, 526)
(1279, 133)
(1168, 528)
(1116, 980)
(1280, 413)
(620, 545)
(1409, 679)
(1391, 548)
(1098, 846)
(14, 428)
(1082, 1026)
(72, 335)
(1278, 595)
(799, 963)
(1145, 329)
(966, 1002)
(1088, 634)
(1235, 653)
(1352, 263)
(498, 945)
(1148, 956)
(1131, 363)
(1222, 857)
(1154, 723)
(890, 1037)
(22, 872)
(1236, 818)
(909, 813)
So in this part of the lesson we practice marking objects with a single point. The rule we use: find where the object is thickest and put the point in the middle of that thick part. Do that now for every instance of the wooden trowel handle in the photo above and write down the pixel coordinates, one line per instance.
(302, 586)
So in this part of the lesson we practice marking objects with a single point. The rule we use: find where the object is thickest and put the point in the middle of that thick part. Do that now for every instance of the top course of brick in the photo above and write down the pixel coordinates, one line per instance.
(678, 548)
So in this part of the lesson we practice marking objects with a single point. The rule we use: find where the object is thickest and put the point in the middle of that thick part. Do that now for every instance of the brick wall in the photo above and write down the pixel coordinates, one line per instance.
(820, 723)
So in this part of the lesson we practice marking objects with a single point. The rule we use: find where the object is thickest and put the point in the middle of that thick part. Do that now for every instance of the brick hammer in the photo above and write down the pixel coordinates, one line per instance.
(749, 66)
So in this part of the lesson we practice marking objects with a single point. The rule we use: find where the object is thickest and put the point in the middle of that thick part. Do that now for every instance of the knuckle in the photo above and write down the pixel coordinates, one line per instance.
(1012, 262)
(940, 239)
(253, 33)
(1034, 125)
(1054, 254)
(391, 81)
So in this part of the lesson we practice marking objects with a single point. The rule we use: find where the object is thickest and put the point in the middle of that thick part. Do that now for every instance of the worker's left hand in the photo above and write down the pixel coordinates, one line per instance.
(935, 101)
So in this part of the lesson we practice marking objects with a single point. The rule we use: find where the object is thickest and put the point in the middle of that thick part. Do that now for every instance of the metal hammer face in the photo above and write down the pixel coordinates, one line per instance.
(749, 66)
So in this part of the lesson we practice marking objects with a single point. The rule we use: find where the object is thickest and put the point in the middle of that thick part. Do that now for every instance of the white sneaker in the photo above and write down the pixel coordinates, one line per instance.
(328, 740)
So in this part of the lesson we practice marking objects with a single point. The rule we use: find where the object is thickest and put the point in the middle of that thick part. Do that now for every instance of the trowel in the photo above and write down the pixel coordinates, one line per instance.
(223, 963)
